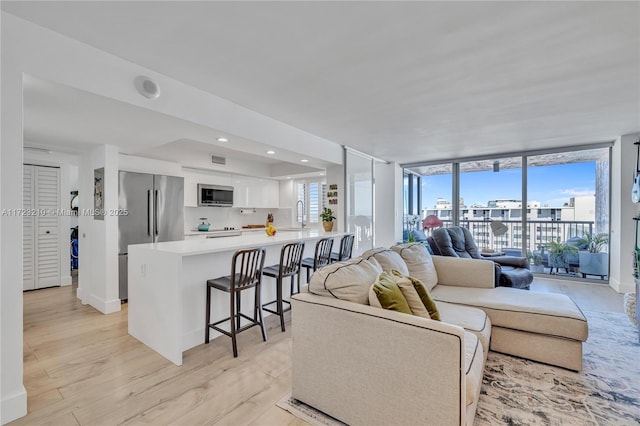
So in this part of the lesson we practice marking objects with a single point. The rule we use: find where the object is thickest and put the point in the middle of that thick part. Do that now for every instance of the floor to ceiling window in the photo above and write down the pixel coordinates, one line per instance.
(568, 221)
(491, 191)
(552, 207)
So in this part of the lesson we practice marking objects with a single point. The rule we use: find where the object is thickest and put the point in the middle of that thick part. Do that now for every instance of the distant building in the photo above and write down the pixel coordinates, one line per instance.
(545, 223)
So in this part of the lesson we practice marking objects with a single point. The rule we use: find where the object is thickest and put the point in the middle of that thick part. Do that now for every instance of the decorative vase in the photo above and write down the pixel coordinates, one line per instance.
(328, 226)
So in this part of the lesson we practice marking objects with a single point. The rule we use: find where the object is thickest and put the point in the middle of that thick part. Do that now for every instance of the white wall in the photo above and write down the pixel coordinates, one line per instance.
(98, 239)
(132, 163)
(622, 243)
(335, 175)
(388, 219)
(12, 392)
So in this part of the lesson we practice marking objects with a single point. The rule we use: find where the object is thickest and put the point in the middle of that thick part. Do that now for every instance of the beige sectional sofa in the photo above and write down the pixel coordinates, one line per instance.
(366, 365)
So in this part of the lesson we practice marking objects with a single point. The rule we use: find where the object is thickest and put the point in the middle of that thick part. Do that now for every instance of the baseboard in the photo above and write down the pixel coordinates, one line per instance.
(106, 307)
(14, 406)
(64, 281)
(622, 287)
(82, 295)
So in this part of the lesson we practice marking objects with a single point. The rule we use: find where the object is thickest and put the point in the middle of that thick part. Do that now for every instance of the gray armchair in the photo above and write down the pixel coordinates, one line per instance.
(511, 271)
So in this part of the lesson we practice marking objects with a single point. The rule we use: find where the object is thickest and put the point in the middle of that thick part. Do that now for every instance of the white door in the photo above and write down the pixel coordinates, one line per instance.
(47, 190)
(41, 254)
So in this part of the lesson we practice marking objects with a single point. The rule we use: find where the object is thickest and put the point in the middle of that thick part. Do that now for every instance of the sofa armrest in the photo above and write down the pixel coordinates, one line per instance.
(347, 356)
(460, 272)
(515, 261)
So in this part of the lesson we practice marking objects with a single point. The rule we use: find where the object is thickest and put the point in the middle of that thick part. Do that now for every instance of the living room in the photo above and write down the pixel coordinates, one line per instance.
(402, 83)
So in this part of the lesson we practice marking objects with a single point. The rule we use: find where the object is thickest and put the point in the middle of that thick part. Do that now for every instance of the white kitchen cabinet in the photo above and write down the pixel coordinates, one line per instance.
(250, 192)
(193, 178)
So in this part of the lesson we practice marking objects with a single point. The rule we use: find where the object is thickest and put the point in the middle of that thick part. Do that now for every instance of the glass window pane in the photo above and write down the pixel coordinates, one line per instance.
(569, 200)
(491, 190)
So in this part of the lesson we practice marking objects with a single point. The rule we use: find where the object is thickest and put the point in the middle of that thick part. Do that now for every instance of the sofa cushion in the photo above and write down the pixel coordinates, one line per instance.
(473, 363)
(471, 319)
(543, 313)
(425, 298)
(389, 295)
(349, 280)
(387, 258)
(419, 263)
(410, 292)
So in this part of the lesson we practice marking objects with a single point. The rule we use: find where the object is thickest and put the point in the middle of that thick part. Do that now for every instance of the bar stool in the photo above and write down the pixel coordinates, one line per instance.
(321, 257)
(289, 266)
(246, 272)
(346, 246)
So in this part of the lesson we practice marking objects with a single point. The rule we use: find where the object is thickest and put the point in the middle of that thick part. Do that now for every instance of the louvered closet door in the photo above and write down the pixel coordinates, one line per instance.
(28, 231)
(47, 198)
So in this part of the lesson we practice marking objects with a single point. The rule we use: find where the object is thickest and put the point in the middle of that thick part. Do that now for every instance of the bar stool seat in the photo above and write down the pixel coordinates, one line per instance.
(321, 256)
(289, 266)
(346, 247)
(246, 273)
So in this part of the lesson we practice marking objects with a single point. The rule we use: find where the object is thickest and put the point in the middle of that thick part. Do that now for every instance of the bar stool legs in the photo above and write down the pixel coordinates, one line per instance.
(246, 273)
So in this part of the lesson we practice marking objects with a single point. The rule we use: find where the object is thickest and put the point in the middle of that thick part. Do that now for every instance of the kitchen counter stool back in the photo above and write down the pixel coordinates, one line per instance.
(346, 247)
(321, 257)
(246, 273)
(289, 266)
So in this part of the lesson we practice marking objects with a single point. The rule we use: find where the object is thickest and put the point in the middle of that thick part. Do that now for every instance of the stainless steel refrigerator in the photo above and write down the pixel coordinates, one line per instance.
(155, 213)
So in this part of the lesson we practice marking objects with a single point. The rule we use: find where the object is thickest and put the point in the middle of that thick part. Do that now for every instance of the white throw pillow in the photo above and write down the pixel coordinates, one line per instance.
(419, 263)
(349, 280)
(388, 259)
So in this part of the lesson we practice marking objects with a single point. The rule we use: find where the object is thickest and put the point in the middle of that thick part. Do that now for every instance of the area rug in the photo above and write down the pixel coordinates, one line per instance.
(519, 392)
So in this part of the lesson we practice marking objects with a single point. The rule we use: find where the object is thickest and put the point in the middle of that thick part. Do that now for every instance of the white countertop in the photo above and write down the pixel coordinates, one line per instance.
(256, 239)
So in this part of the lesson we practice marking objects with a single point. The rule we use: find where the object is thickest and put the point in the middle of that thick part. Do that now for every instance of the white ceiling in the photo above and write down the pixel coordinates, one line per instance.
(66, 119)
(404, 81)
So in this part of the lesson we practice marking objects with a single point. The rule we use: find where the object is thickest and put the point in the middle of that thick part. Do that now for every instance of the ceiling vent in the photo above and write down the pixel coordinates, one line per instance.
(216, 159)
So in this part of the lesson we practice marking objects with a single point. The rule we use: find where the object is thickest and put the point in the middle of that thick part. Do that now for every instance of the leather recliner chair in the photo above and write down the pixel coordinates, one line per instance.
(511, 271)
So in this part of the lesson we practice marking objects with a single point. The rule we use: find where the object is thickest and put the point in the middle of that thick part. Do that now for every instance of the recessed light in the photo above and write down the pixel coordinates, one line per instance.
(223, 140)
(304, 160)
(288, 177)
(271, 152)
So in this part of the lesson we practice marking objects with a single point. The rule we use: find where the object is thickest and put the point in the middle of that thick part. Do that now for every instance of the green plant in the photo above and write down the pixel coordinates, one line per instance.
(559, 252)
(327, 215)
(534, 258)
(561, 249)
(595, 243)
(411, 238)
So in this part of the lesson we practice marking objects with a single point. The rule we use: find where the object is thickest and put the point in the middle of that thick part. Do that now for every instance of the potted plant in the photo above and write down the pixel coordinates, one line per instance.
(327, 219)
(559, 254)
(595, 259)
(535, 260)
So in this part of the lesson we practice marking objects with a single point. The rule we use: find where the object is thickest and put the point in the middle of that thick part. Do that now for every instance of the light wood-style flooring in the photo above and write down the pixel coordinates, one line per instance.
(82, 368)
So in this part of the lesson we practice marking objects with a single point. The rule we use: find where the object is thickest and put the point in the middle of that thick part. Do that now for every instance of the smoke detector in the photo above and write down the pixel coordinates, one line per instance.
(147, 87)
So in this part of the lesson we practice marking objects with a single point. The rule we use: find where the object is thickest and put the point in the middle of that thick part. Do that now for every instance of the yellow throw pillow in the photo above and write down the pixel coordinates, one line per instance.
(411, 294)
(423, 293)
(389, 294)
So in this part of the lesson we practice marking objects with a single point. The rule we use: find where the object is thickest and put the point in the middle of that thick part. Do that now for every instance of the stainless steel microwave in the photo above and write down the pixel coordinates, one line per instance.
(215, 195)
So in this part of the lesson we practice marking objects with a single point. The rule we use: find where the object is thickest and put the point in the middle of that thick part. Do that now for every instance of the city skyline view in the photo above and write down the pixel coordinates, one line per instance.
(551, 185)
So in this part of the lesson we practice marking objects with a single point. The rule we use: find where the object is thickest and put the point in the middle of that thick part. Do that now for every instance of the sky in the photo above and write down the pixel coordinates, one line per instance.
(550, 185)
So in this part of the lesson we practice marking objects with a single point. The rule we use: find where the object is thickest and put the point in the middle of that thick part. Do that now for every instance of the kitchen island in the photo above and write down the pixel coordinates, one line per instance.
(167, 285)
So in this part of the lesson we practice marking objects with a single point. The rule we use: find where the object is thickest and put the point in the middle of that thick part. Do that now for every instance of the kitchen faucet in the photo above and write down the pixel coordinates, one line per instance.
(300, 202)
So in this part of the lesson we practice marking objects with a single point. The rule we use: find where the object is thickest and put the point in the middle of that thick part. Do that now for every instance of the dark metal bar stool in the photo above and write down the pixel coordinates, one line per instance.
(321, 257)
(246, 272)
(289, 266)
(346, 246)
